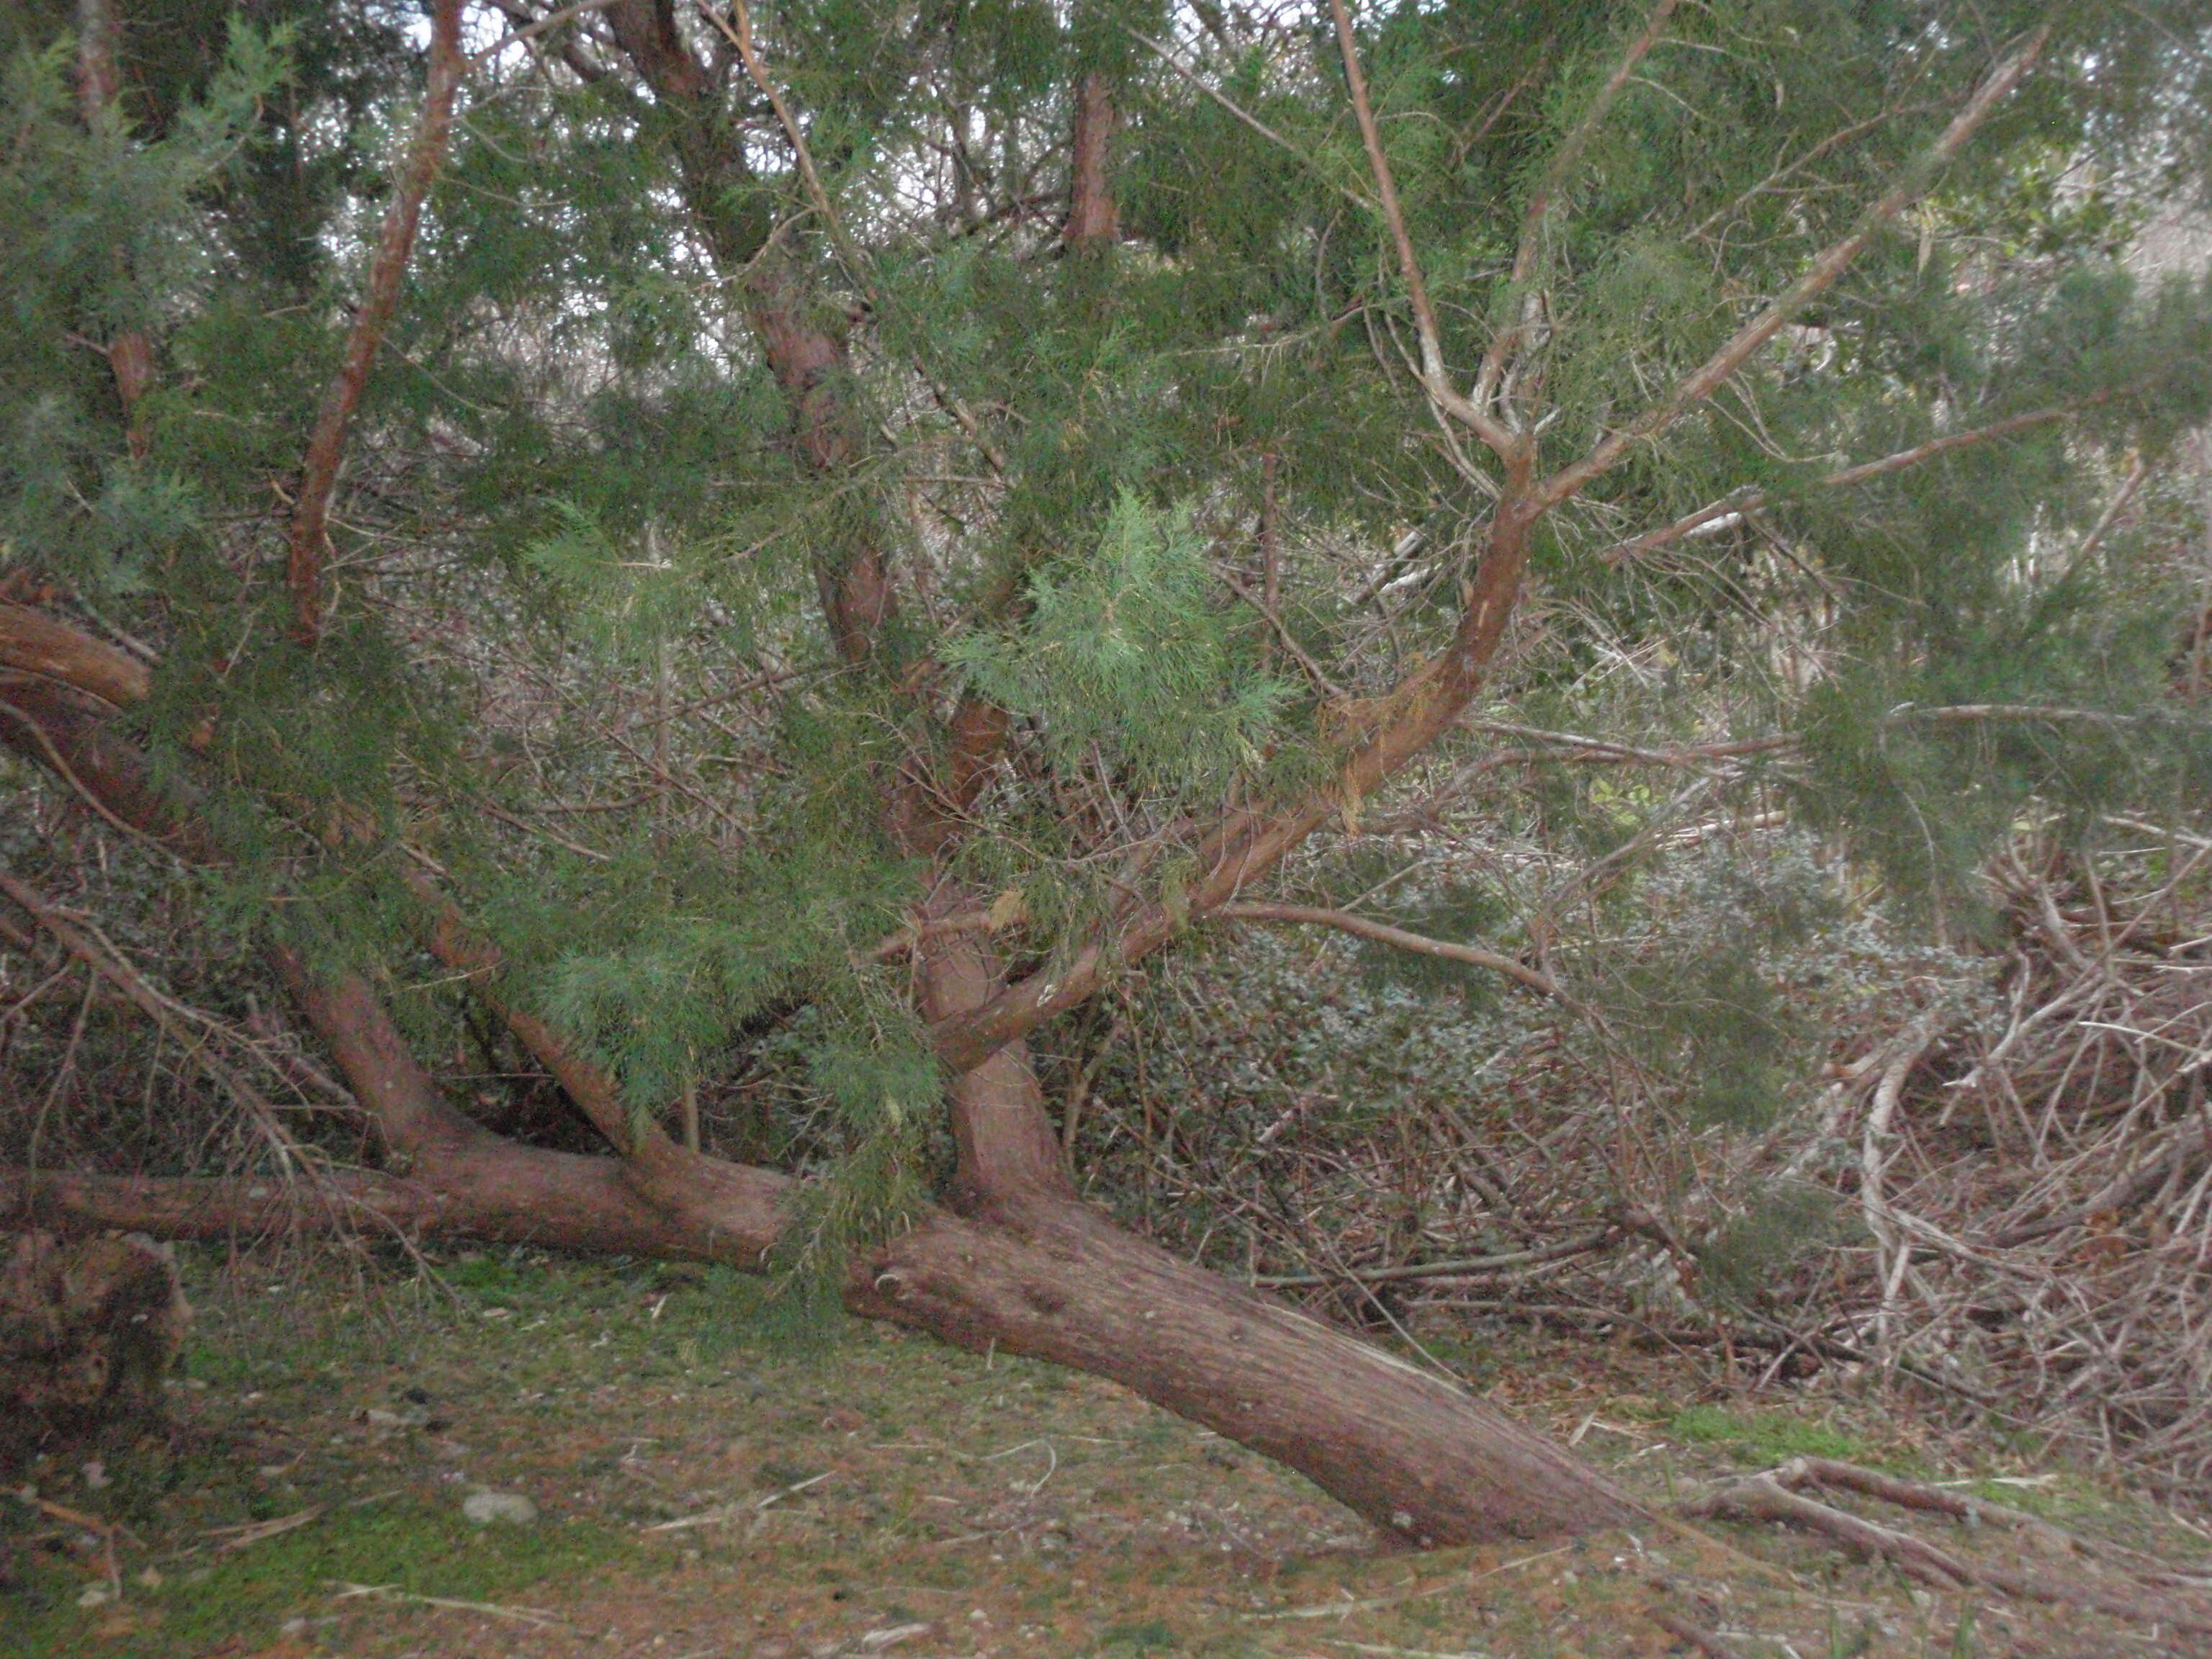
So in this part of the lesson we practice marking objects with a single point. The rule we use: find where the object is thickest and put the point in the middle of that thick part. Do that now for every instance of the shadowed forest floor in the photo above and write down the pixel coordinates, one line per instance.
(704, 1488)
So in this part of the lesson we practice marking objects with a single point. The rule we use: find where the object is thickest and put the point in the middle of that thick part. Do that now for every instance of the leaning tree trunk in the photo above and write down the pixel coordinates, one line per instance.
(1016, 1261)
(1420, 1457)
(1028, 1267)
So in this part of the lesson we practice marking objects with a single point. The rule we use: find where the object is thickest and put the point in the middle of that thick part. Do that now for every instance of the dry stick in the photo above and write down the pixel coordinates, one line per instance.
(1826, 267)
(163, 1010)
(1892, 1257)
(1471, 1267)
(1918, 1557)
(1383, 934)
(318, 478)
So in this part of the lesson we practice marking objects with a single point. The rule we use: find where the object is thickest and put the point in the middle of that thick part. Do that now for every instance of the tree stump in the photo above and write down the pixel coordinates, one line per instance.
(88, 1329)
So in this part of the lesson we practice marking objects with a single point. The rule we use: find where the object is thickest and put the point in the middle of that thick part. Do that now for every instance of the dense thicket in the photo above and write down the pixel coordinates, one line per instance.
(647, 565)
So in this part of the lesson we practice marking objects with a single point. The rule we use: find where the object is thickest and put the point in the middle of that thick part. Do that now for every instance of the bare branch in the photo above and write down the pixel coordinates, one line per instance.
(1470, 1267)
(395, 244)
(1540, 205)
(533, 30)
(1436, 379)
(1750, 498)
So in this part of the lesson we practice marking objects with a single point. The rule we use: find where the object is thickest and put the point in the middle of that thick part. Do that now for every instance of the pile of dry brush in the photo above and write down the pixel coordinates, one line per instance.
(1996, 1190)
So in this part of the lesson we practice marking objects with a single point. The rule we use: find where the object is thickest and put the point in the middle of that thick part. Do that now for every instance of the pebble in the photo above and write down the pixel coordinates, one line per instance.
(485, 1507)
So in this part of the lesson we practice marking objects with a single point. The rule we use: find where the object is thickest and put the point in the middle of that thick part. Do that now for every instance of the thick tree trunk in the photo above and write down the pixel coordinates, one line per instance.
(1421, 1459)
(1028, 1267)
(1425, 1462)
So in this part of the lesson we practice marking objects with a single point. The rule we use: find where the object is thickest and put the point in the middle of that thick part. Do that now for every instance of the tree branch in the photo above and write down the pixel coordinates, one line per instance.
(33, 642)
(1382, 932)
(1826, 267)
(395, 244)
(1751, 498)
(1436, 378)
(1545, 198)
(1092, 221)
(100, 84)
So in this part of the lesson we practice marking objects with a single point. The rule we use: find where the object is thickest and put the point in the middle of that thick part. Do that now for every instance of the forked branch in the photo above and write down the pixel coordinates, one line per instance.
(1436, 378)
(1826, 267)
(1544, 202)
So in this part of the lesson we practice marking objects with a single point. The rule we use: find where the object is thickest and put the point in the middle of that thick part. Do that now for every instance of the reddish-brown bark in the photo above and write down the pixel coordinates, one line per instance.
(395, 244)
(1094, 219)
(1418, 1456)
(99, 86)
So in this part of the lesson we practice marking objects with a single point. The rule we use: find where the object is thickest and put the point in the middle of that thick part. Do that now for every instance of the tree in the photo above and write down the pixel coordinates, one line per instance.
(920, 480)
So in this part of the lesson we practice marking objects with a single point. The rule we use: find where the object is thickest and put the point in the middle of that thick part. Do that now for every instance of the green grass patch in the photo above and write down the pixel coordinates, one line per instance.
(412, 1547)
(1766, 1437)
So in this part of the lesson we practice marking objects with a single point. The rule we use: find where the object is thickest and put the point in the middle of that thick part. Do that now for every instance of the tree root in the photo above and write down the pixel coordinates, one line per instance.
(1778, 1495)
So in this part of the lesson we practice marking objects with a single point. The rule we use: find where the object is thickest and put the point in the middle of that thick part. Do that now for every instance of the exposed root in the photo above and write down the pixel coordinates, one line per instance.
(1779, 1495)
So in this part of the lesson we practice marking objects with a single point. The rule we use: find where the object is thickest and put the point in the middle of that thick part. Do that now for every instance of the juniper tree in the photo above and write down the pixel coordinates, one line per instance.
(837, 531)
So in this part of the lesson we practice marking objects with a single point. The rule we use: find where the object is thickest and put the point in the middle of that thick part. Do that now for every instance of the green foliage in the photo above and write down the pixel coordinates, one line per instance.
(100, 233)
(1757, 1249)
(1126, 650)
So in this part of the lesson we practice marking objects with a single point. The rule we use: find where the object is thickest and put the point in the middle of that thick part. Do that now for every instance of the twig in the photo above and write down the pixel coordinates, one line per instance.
(1696, 1635)
(491, 1609)
(1467, 1267)
(1821, 274)
(1436, 379)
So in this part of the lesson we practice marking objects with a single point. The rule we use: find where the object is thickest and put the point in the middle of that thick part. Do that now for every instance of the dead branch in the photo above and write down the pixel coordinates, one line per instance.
(1384, 933)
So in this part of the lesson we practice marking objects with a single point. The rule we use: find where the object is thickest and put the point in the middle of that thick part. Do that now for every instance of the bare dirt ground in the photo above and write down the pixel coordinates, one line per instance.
(702, 1488)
